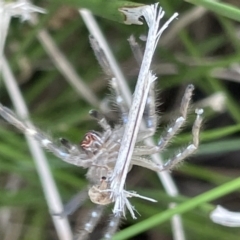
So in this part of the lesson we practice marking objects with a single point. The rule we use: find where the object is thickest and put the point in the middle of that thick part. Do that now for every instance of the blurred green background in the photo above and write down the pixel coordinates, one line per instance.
(200, 47)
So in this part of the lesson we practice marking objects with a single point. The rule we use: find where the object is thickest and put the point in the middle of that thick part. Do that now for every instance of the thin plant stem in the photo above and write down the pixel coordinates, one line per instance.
(94, 29)
(49, 187)
(64, 66)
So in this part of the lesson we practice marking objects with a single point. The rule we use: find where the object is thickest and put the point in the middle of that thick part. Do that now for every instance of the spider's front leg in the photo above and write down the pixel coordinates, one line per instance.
(78, 158)
(70, 148)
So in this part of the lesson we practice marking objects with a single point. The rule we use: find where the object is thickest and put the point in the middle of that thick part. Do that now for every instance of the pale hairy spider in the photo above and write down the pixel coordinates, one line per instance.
(98, 150)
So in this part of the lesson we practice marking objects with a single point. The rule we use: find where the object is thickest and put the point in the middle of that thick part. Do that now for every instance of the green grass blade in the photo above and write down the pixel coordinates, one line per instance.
(181, 208)
(223, 9)
(109, 11)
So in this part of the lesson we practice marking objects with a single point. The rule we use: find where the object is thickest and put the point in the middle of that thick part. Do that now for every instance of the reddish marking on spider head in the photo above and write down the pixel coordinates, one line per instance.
(91, 141)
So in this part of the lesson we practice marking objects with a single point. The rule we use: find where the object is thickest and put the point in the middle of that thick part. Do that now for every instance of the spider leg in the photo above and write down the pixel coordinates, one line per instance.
(100, 55)
(173, 129)
(145, 163)
(149, 115)
(150, 110)
(191, 148)
(112, 226)
(103, 61)
(71, 148)
(74, 203)
(144, 150)
(151, 119)
(44, 140)
(92, 220)
(178, 123)
(136, 50)
(120, 101)
(171, 163)
(102, 121)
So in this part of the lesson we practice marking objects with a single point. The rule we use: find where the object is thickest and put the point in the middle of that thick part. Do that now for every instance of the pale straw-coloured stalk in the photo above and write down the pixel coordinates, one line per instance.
(24, 10)
(49, 187)
(96, 32)
(152, 14)
(20, 8)
(64, 66)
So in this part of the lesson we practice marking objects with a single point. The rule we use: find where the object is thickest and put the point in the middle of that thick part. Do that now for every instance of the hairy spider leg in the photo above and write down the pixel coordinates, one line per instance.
(191, 148)
(150, 110)
(121, 104)
(73, 204)
(102, 121)
(70, 148)
(178, 123)
(44, 140)
(149, 115)
(100, 55)
(136, 50)
(103, 62)
(90, 223)
(93, 220)
(172, 162)
(172, 130)
(112, 227)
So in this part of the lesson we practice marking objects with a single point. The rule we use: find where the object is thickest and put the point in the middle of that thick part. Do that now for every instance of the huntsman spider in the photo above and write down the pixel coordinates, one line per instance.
(98, 151)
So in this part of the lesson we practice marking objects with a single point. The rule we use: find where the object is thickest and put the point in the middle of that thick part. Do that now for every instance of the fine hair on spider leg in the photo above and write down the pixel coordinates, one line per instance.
(191, 148)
